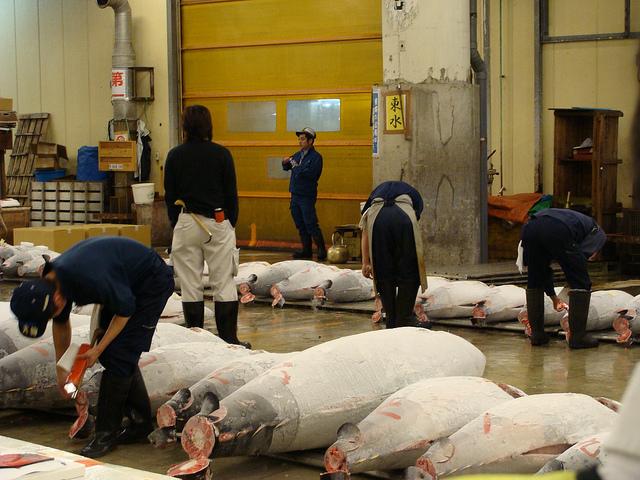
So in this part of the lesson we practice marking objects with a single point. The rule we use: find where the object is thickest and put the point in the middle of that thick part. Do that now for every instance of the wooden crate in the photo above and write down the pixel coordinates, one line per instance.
(15, 217)
(66, 202)
(48, 155)
(117, 156)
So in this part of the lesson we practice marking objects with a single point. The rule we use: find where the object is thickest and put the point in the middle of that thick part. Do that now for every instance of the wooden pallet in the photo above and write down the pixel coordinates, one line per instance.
(66, 202)
(31, 128)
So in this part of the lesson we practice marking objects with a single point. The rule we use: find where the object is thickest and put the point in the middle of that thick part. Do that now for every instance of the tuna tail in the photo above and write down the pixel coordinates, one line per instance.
(167, 413)
(278, 299)
(336, 457)
(479, 314)
(621, 326)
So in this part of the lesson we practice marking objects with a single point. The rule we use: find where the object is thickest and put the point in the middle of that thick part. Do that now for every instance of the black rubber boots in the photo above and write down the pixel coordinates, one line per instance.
(578, 313)
(227, 322)
(193, 314)
(321, 249)
(306, 252)
(535, 312)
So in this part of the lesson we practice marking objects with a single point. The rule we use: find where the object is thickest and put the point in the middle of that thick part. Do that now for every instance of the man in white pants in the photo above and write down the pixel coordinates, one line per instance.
(200, 177)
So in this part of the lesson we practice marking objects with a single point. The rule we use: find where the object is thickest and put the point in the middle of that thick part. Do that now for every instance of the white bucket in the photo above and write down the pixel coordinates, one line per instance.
(143, 192)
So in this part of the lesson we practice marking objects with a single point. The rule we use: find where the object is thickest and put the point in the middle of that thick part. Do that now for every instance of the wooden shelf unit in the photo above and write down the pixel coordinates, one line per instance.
(592, 181)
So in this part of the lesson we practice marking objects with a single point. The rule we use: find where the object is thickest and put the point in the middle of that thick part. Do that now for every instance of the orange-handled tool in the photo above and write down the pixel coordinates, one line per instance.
(74, 379)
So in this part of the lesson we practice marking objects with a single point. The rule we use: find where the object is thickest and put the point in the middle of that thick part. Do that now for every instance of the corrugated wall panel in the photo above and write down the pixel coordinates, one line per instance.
(277, 51)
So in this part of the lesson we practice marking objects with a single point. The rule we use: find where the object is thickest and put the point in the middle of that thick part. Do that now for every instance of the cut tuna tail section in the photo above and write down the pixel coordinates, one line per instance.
(349, 439)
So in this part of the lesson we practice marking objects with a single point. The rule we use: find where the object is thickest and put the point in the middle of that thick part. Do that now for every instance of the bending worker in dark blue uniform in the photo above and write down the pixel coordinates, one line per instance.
(392, 249)
(570, 238)
(306, 168)
(132, 284)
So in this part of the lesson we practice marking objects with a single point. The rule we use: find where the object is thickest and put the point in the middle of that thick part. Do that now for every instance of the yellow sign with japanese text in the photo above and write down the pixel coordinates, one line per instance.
(395, 112)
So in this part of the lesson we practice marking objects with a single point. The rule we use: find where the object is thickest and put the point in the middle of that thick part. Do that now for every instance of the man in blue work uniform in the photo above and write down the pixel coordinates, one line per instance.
(306, 168)
(570, 238)
(132, 284)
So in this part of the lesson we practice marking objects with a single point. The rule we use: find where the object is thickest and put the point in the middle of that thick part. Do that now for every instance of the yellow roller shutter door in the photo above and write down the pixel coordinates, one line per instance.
(262, 67)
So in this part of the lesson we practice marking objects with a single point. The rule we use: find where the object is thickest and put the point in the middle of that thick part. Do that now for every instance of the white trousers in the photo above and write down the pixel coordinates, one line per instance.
(189, 252)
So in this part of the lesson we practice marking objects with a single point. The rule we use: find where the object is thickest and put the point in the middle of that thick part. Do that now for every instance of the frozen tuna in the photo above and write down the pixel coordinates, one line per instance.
(302, 285)
(301, 403)
(419, 309)
(603, 310)
(187, 402)
(500, 304)
(276, 273)
(519, 436)
(165, 370)
(28, 376)
(247, 275)
(401, 429)
(454, 299)
(345, 286)
(627, 322)
(587, 453)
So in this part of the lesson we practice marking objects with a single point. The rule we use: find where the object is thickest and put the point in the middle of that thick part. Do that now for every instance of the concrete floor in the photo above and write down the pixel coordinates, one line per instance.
(510, 359)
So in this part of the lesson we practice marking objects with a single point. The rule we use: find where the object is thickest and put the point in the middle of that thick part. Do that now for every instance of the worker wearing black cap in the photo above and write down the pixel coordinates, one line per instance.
(132, 284)
(306, 168)
(570, 238)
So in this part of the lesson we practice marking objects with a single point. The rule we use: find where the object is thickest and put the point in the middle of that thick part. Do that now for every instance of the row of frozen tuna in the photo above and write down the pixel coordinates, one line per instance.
(425, 405)
(485, 304)
(24, 260)
(425, 397)
(300, 280)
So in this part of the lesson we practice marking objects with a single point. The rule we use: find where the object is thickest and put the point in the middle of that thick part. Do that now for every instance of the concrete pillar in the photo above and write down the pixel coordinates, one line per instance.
(426, 52)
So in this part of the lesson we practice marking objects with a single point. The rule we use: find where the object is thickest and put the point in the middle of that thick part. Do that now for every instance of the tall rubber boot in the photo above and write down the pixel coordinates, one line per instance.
(321, 249)
(306, 252)
(578, 314)
(111, 401)
(193, 314)
(387, 293)
(535, 313)
(405, 304)
(227, 322)
(138, 412)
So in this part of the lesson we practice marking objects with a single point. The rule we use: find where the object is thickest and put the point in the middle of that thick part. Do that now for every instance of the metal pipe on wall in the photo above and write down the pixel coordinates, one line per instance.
(123, 56)
(479, 68)
(537, 96)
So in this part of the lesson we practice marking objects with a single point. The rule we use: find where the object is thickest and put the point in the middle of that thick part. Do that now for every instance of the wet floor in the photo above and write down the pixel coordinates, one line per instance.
(510, 359)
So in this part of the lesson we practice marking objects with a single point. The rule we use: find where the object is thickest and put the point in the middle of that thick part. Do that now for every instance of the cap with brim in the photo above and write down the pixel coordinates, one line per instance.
(307, 131)
(32, 304)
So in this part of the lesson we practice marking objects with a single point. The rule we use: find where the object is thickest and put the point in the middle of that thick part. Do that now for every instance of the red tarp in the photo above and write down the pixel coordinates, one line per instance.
(513, 208)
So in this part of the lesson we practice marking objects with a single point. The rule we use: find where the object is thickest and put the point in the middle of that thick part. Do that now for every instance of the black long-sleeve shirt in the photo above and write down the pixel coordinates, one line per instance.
(202, 174)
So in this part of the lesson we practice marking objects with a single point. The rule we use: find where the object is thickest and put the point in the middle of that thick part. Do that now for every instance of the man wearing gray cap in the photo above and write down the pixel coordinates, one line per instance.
(306, 168)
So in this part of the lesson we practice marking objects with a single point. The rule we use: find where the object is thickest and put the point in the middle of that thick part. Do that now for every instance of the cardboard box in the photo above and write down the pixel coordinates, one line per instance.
(117, 156)
(141, 233)
(57, 238)
(6, 104)
(102, 230)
